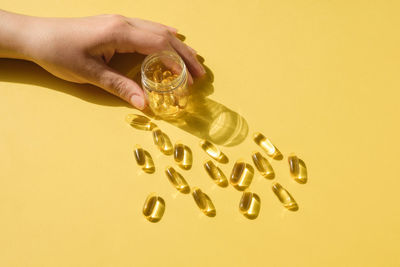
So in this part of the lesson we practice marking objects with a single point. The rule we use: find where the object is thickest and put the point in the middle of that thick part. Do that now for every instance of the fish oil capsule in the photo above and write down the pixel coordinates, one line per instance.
(242, 175)
(157, 76)
(298, 169)
(268, 147)
(204, 202)
(177, 180)
(262, 165)
(139, 155)
(215, 173)
(166, 82)
(249, 205)
(153, 208)
(139, 122)
(144, 159)
(213, 151)
(162, 141)
(166, 74)
(183, 156)
(284, 197)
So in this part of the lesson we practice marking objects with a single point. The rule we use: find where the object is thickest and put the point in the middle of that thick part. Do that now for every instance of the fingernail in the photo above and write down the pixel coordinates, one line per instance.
(138, 101)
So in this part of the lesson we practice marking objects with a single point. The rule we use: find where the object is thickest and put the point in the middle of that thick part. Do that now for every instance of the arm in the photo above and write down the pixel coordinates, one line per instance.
(78, 49)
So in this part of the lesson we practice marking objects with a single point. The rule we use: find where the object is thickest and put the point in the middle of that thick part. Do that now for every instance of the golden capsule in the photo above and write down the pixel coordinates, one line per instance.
(162, 141)
(249, 205)
(213, 151)
(177, 180)
(139, 155)
(153, 208)
(140, 122)
(157, 76)
(183, 156)
(204, 202)
(166, 82)
(298, 169)
(284, 197)
(166, 74)
(242, 175)
(216, 174)
(268, 147)
(262, 165)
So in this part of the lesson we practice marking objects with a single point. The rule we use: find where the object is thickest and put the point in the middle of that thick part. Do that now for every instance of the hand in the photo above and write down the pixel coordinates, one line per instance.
(78, 49)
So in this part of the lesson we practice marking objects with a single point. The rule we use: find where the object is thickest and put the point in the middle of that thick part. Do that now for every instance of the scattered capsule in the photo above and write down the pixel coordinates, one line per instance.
(204, 202)
(266, 144)
(148, 163)
(139, 155)
(162, 141)
(249, 205)
(140, 122)
(157, 76)
(213, 151)
(262, 165)
(153, 208)
(166, 74)
(144, 159)
(242, 175)
(298, 169)
(216, 174)
(177, 180)
(284, 197)
(183, 156)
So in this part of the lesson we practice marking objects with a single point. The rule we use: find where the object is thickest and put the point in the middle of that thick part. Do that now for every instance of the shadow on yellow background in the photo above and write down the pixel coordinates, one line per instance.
(204, 117)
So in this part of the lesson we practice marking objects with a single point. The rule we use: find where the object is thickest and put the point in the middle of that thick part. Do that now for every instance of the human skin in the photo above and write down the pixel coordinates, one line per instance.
(79, 49)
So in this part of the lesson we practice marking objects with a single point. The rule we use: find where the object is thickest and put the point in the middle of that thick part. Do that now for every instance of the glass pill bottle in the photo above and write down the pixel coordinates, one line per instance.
(164, 80)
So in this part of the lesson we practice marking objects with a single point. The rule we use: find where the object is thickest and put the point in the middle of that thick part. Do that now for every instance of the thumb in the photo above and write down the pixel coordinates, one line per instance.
(121, 86)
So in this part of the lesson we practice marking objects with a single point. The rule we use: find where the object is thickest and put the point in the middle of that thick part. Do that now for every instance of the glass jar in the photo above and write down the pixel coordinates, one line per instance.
(164, 80)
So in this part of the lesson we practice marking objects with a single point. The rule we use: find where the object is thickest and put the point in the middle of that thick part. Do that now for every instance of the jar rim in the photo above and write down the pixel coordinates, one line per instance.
(150, 85)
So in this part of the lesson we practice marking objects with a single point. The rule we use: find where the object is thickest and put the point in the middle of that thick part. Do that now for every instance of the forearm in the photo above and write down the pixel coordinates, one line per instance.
(14, 37)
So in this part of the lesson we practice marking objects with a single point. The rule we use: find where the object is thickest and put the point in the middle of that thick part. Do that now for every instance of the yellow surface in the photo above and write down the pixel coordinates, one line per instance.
(319, 78)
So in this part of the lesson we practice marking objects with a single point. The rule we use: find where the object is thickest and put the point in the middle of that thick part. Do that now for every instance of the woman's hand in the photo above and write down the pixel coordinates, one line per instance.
(78, 49)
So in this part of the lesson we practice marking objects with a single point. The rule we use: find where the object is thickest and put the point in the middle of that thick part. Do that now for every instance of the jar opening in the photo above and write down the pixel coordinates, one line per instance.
(163, 72)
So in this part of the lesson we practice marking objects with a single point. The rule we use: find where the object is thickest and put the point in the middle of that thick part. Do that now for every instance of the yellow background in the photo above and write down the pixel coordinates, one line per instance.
(319, 78)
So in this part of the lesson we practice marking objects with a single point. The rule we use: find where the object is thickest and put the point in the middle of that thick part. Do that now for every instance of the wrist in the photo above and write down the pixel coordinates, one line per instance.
(15, 35)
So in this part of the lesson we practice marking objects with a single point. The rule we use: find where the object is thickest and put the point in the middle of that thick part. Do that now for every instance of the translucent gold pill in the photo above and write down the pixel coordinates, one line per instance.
(139, 155)
(213, 151)
(177, 180)
(162, 141)
(157, 76)
(140, 122)
(249, 205)
(166, 74)
(183, 156)
(262, 165)
(153, 208)
(284, 197)
(216, 174)
(298, 169)
(242, 175)
(268, 147)
(144, 159)
(204, 202)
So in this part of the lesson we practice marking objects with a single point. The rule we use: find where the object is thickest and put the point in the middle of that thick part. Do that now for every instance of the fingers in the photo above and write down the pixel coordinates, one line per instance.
(121, 86)
(164, 32)
(188, 56)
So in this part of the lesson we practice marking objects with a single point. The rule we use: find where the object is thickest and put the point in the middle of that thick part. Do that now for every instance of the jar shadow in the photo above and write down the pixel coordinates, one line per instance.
(204, 117)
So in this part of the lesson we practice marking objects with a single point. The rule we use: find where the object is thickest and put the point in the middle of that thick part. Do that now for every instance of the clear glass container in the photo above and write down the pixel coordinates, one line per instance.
(164, 80)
